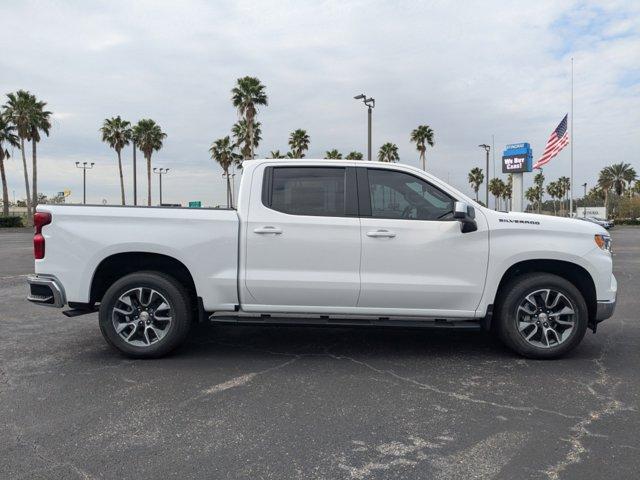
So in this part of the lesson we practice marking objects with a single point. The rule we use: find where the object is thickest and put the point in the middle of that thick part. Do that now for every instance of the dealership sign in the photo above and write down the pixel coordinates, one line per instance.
(517, 158)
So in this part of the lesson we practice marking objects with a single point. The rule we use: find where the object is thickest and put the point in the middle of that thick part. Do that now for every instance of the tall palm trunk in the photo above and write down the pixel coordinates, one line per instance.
(121, 177)
(229, 198)
(423, 157)
(26, 178)
(34, 172)
(148, 157)
(5, 192)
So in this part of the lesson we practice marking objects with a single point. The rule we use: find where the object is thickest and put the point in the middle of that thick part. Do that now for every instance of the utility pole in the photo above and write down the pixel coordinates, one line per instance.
(487, 148)
(230, 193)
(571, 180)
(584, 200)
(135, 177)
(370, 103)
(160, 172)
(84, 166)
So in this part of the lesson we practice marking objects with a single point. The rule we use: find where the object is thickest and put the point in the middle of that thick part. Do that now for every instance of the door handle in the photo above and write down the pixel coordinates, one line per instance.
(268, 229)
(381, 234)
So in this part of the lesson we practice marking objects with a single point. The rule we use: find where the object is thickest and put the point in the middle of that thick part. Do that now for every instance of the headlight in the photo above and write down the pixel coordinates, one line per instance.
(603, 241)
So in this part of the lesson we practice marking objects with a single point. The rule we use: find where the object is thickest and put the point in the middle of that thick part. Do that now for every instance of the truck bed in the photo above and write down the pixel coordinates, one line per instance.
(81, 237)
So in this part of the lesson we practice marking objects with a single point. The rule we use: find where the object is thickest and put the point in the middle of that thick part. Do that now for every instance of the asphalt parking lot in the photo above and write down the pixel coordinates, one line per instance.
(314, 403)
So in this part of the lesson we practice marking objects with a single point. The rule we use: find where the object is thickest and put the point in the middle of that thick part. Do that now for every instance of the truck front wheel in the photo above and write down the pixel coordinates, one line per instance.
(542, 316)
(145, 314)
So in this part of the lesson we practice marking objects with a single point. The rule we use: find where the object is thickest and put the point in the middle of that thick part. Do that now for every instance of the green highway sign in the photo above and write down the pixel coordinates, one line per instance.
(196, 204)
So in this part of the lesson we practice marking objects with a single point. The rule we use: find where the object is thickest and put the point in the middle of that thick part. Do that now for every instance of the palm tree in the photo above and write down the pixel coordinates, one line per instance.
(554, 190)
(422, 136)
(605, 184)
(246, 96)
(564, 187)
(40, 122)
(148, 137)
(508, 192)
(495, 187)
(538, 180)
(242, 141)
(333, 155)
(117, 133)
(532, 195)
(621, 174)
(299, 143)
(18, 111)
(7, 139)
(276, 154)
(354, 156)
(222, 151)
(388, 153)
(476, 178)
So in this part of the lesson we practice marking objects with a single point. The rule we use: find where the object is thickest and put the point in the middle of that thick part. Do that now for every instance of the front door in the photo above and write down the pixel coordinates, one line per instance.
(415, 259)
(302, 240)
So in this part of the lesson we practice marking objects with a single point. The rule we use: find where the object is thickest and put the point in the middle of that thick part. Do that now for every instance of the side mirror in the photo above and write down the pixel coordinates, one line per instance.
(466, 214)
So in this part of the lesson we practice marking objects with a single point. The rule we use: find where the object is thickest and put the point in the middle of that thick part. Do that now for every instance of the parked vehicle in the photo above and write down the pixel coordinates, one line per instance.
(607, 224)
(326, 242)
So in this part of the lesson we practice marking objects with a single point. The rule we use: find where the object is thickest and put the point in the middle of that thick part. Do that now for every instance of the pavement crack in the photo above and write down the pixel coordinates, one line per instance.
(455, 395)
(238, 381)
(611, 406)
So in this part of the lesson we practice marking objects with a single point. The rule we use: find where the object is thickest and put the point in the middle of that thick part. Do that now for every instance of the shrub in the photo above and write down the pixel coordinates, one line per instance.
(6, 222)
(628, 221)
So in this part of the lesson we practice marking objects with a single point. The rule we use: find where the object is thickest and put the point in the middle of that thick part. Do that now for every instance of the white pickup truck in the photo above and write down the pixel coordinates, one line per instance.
(326, 242)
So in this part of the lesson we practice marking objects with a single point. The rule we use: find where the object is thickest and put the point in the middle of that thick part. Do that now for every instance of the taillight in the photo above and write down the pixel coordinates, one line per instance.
(40, 219)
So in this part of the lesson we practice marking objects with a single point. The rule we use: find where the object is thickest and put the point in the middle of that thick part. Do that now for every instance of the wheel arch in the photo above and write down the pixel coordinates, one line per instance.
(118, 265)
(571, 272)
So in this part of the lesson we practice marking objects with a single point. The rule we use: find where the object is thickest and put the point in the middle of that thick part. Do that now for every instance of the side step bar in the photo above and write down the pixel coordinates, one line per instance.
(347, 322)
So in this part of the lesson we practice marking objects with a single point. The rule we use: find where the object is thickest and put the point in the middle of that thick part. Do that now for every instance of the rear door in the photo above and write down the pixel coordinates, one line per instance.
(415, 259)
(302, 239)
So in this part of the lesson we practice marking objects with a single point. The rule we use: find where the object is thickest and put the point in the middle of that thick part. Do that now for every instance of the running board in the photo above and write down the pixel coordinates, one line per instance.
(347, 322)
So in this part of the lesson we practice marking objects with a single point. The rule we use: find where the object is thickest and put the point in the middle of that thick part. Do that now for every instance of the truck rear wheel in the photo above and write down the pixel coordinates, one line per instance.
(542, 316)
(145, 314)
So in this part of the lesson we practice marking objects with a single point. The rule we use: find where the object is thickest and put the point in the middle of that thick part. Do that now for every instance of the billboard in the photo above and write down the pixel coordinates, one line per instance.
(517, 158)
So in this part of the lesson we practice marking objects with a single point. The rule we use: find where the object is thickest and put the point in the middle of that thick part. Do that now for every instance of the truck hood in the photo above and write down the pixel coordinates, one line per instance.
(532, 221)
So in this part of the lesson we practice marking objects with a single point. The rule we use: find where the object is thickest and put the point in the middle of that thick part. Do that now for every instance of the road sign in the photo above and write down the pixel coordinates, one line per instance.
(196, 204)
(517, 158)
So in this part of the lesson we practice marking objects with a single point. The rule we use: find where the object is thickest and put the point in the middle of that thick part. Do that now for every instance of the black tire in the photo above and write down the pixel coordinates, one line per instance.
(181, 310)
(511, 298)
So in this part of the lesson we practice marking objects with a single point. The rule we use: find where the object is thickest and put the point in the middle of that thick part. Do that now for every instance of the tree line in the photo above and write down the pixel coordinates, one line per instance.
(616, 180)
(247, 96)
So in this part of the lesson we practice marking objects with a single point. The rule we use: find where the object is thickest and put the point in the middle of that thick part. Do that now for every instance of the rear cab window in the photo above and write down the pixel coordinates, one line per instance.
(312, 191)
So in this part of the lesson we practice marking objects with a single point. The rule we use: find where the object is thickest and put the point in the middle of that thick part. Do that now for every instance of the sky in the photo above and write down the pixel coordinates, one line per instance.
(476, 72)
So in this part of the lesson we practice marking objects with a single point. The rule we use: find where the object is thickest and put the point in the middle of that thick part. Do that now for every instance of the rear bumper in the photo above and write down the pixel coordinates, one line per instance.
(47, 291)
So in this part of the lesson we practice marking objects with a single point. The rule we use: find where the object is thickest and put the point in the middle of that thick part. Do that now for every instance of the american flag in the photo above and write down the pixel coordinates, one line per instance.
(557, 141)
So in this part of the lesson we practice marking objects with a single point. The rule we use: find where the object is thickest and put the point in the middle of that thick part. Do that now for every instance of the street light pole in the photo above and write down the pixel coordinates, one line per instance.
(584, 200)
(487, 148)
(135, 176)
(370, 103)
(84, 166)
(160, 172)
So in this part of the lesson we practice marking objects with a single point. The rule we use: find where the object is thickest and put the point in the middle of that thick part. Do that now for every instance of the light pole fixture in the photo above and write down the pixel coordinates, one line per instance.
(84, 166)
(487, 148)
(160, 172)
(230, 192)
(370, 103)
(584, 200)
(135, 175)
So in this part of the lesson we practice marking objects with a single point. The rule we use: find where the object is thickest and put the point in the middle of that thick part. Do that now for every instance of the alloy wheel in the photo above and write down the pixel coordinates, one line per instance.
(142, 316)
(545, 318)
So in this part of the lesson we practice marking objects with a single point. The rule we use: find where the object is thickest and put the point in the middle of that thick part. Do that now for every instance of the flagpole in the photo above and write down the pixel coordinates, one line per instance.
(572, 140)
